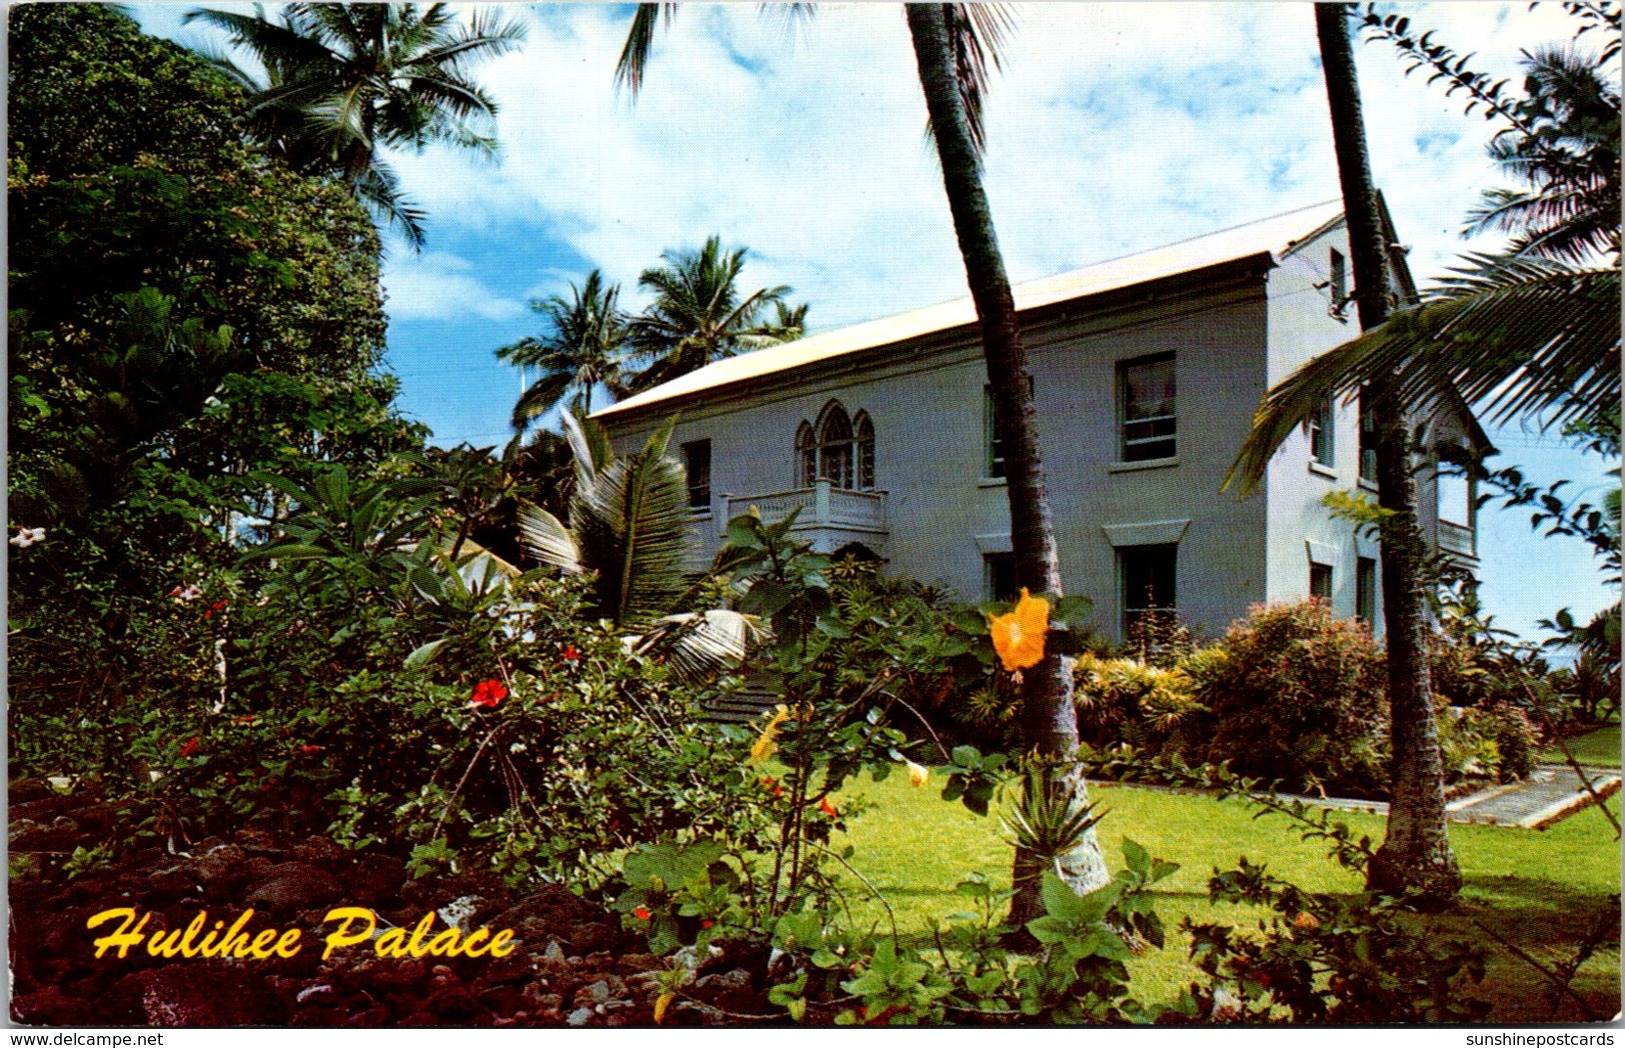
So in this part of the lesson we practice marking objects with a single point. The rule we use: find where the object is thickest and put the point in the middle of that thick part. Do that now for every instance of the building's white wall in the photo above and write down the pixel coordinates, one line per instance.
(927, 406)
(1301, 326)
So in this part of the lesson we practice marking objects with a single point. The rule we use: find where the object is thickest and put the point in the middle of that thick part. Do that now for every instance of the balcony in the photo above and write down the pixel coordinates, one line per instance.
(1457, 539)
(830, 517)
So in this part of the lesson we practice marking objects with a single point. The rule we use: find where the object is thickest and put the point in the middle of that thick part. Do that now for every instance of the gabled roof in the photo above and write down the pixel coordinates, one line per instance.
(1272, 237)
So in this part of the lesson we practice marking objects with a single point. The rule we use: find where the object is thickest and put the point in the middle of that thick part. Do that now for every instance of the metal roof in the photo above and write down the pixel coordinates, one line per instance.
(1271, 236)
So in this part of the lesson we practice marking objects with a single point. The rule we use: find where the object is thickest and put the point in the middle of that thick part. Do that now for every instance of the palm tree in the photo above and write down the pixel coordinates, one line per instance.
(343, 81)
(1566, 148)
(954, 47)
(1416, 852)
(628, 529)
(584, 350)
(698, 316)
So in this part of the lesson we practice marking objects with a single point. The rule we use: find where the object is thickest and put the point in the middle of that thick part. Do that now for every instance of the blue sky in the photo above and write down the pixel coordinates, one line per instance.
(1113, 128)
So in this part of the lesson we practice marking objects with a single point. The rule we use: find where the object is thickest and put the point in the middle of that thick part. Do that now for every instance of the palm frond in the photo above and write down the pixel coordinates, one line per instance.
(548, 540)
(1508, 335)
(639, 40)
(698, 645)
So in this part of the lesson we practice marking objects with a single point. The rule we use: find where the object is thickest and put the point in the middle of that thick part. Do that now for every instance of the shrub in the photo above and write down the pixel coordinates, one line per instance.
(1517, 740)
(1151, 708)
(1298, 697)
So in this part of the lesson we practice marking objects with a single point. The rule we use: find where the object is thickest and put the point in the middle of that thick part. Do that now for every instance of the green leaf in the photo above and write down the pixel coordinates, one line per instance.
(1136, 857)
(422, 655)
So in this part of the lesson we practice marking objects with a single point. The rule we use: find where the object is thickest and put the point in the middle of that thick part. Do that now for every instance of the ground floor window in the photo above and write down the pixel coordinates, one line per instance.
(1320, 581)
(1148, 580)
(1365, 590)
(999, 576)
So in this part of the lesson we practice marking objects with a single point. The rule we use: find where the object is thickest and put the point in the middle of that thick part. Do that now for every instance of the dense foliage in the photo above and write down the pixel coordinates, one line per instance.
(184, 313)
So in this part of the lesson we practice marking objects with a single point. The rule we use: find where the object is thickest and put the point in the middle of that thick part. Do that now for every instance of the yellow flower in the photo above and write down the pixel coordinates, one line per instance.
(765, 744)
(1019, 636)
(662, 1003)
(918, 775)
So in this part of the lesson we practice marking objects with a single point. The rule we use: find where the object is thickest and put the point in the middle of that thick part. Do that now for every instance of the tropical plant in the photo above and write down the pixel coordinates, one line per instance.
(345, 81)
(699, 315)
(628, 524)
(584, 349)
(1563, 137)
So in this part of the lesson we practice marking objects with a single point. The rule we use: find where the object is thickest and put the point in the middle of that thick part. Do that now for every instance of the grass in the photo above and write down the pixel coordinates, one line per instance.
(1598, 748)
(1535, 889)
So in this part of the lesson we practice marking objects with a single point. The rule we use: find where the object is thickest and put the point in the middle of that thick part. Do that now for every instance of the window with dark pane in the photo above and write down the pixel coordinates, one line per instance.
(835, 447)
(990, 425)
(806, 456)
(999, 571)
(864, 443)
(1147, 408)
(1148, 576)
(1365, 590)
(1368, 439)
(1320, 581)
(1320, 433)
(697, 467)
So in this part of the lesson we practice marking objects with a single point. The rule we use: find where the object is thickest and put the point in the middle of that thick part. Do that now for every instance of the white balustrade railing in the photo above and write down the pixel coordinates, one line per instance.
(822, 506)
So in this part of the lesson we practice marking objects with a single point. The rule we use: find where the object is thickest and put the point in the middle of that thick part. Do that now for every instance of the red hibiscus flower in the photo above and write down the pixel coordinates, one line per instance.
(570, 654)
(488, 693)
(641, 914)
(827, 808)
(216, 606)
(193, 745)
(308, 750)
(707, 924)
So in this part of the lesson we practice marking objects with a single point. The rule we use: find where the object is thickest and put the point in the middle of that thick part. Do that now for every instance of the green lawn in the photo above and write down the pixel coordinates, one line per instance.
(1599, 748)
(1534, 888)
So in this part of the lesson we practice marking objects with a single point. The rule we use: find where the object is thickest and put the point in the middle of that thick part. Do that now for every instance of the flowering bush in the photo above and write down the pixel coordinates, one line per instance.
(1298, 697)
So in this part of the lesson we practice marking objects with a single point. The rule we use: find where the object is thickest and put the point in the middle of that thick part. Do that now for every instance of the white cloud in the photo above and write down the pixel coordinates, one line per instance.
(1115, 127)
(440, 286)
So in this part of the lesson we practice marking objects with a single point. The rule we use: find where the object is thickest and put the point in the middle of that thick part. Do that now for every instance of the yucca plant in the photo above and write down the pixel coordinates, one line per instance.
(1050, 821)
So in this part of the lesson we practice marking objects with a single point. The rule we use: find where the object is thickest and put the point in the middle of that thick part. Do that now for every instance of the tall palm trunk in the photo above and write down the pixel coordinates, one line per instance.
(1416, 853)
(1050, 725)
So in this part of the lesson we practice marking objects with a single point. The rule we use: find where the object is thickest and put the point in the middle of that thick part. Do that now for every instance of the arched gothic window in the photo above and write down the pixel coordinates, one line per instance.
(864, 443)
(806, 456)
(836, 450)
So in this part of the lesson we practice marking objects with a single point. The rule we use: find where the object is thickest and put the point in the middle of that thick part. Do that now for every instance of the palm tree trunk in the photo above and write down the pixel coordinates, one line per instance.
(1050, 725)
(1416, 853)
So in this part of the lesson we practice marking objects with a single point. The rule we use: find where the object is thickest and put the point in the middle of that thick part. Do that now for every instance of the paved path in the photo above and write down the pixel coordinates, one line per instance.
(1552, 793)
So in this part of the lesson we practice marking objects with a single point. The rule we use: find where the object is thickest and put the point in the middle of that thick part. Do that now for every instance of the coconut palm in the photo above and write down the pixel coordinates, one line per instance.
(698, 314)
(344, 81)
(1566, 149)
(1416, 852)
(583, 350)
(955, 48)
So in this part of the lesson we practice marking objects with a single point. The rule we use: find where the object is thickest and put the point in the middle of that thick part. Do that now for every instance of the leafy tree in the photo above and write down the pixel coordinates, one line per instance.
(184, 314)
(344, 81)
(955, 47)
(584, 350)
(698, 315)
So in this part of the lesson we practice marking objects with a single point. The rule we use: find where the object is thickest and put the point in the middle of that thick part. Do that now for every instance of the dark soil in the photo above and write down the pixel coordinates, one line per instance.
(574, 965)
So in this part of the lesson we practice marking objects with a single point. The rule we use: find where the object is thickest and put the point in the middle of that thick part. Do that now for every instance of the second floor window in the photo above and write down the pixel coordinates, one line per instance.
(697, 468)
(1146, 408)
(1320, 433)
(839, 450)
(1368, 440)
